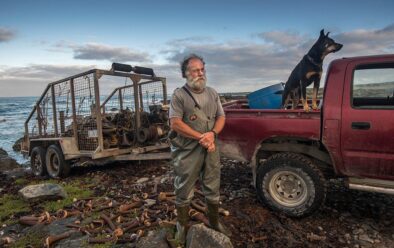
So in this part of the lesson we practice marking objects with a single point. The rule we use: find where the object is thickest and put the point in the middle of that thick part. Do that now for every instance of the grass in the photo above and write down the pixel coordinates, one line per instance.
(74, 191)
(14, 204)
(11, 205)
(21, 181)
(33, 238)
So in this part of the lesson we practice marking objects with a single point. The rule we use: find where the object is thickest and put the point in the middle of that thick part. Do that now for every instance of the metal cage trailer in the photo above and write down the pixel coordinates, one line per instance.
(73, 124)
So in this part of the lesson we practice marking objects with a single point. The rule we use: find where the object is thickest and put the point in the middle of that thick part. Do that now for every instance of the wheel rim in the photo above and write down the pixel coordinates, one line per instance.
(288, 188)
(54, 163)
(37, 164)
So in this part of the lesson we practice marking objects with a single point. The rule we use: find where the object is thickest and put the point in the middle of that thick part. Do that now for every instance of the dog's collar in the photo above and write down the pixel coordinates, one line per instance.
(312, 61)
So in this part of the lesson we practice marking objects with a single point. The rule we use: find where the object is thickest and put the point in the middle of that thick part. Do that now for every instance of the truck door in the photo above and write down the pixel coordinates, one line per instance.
(367, 129)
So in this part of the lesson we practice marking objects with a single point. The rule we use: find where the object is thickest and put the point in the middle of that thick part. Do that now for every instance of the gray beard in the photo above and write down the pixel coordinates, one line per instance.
(197, 83)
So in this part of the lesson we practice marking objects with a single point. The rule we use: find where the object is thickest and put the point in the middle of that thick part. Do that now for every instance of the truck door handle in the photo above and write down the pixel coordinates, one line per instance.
(361, 125)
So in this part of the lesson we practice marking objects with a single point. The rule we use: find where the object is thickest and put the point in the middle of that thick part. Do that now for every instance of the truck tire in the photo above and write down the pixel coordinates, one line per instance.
(37, 161)
(290, 183)
(56, 165)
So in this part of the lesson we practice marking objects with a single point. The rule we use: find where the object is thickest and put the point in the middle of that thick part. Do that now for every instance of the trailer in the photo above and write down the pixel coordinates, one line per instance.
(73, 123)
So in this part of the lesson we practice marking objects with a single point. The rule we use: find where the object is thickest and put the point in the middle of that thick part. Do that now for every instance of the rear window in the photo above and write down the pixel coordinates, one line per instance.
(373, 86)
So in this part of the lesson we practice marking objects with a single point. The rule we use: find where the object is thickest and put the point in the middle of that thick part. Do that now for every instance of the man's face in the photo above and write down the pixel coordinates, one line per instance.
(195, 74)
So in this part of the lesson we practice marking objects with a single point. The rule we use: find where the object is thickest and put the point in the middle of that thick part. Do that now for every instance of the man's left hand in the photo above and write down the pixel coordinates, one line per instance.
(207, 139)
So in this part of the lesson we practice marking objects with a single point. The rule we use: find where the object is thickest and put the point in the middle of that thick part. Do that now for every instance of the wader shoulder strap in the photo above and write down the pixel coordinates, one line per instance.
(190, 94)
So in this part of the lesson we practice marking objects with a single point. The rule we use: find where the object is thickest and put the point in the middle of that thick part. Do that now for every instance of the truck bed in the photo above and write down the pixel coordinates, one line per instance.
(246, 128)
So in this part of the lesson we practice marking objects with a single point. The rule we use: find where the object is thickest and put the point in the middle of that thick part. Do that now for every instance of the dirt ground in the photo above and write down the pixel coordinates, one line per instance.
(347, 219)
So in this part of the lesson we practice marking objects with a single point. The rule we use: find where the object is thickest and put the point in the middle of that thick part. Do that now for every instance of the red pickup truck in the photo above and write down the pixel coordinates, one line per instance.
(293, 153)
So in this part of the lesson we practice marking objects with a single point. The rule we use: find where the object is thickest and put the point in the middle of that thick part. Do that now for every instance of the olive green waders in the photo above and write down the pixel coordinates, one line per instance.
(191, 162)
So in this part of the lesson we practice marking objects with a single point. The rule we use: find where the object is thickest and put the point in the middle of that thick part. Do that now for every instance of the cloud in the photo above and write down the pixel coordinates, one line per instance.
(6, 34)
(232, 66)
(31, 80)
(364, 41)
(248, 66)
(95, 51)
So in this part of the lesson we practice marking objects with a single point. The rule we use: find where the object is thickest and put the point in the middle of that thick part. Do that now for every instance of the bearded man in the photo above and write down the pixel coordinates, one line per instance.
(196, 117)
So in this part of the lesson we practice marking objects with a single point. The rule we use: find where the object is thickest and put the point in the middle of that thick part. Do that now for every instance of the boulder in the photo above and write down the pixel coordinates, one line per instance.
(45, 191)
(17, 145)
(155, 239)
(200, 236)
(6, 162)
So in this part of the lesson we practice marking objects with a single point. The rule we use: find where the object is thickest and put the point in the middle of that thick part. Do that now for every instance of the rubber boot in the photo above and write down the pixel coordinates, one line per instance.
(213, 217)
(181, 224)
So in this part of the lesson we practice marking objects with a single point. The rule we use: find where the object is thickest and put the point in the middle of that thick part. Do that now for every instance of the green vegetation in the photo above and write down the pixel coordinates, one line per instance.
(74, 191)
(10, 205)
(34, 238)
(21, 181)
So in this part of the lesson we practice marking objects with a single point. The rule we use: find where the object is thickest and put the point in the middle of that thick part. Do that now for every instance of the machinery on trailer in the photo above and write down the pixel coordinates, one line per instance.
(72, 122)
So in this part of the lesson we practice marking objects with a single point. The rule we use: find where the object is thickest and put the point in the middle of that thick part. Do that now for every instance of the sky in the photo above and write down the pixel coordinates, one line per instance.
(247, 45)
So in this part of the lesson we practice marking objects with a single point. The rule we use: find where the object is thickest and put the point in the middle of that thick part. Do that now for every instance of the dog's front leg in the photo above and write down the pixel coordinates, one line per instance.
(316, 84)
(303, 96)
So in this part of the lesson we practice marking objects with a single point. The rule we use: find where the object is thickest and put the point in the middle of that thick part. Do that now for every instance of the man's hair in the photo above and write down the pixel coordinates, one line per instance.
(185, 62)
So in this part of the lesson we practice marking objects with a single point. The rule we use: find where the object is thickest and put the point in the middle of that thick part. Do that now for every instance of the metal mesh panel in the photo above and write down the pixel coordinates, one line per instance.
(63, 109)
(45, 114)
(85, 109)
(32, 126)
(152, 94)
(113, 105)
(128, 98)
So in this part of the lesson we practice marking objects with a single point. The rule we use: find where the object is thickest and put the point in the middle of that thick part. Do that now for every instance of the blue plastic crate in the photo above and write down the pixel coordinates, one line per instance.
(267, 98)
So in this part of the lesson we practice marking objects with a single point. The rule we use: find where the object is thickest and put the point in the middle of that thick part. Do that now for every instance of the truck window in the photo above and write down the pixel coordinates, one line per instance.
(373, 86)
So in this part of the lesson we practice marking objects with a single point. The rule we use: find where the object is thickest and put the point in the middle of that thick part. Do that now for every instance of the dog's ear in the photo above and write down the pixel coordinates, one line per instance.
(327, 34)
(322, 33)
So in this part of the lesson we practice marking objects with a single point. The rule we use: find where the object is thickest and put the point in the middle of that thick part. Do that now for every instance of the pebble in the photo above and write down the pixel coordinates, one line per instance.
(150, 202)
(358, 231)
(365, 237)
(347, 236)
(320, 228)
(142, 180)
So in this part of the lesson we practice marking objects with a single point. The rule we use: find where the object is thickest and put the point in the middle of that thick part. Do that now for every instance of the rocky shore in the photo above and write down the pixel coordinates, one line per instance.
(131, 205)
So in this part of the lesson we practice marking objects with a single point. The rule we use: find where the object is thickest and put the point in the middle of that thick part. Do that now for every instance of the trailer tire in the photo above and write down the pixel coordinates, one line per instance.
(38, 161)
(57, 166)
(290, 183)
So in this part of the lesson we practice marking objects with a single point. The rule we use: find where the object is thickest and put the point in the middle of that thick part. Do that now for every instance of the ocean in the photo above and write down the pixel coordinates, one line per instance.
(13, 114)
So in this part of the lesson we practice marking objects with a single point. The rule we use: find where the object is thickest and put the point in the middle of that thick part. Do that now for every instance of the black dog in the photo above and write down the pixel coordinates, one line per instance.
(309, 70)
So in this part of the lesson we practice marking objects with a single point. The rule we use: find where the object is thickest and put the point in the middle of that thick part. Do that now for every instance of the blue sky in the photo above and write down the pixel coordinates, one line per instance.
(247, 44)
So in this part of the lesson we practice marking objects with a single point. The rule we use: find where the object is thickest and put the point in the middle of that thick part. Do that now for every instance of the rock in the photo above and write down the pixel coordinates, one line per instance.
(200, 236)
(17, 173)
(142, 180)
(73, 241)
(155, 239)
(358, 231)
(6, 162)
(43, 191)
(17, 145)
(149, 202)
(365, 237)
(314, 237)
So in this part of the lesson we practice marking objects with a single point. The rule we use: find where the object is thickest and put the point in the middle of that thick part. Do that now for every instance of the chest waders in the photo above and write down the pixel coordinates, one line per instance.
(191, 161)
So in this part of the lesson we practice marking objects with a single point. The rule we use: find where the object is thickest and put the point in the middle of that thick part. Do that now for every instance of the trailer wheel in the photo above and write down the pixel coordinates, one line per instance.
(56, 165)
(37, 161)
(290, 183)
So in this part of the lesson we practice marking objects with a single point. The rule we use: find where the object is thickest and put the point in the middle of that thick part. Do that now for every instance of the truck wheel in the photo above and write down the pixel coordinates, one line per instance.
(37, 161)
(56, 165)
(290, 183)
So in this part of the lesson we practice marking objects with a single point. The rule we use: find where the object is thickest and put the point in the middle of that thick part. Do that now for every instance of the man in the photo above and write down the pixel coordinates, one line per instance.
(196, 117)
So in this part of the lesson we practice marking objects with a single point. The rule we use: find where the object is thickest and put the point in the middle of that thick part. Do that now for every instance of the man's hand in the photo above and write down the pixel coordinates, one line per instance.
(212, 147)
(206, 139)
